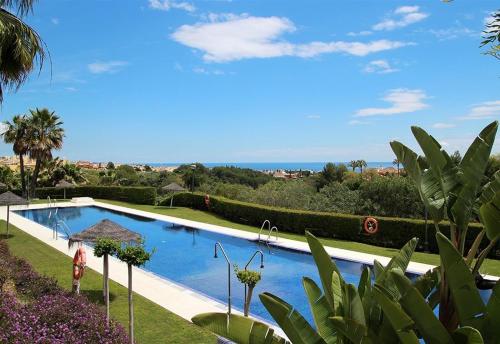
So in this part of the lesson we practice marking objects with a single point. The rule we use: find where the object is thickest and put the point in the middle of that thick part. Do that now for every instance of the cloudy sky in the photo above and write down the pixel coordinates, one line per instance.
(247, 81)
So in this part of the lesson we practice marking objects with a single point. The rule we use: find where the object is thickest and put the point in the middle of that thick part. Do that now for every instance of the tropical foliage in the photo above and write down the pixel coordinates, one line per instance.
(21, 46)
(492, 35)
(250, 279)
(450, 191)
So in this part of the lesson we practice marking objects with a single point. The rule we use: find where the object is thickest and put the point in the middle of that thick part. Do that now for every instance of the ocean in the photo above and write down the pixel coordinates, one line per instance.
(273, 166)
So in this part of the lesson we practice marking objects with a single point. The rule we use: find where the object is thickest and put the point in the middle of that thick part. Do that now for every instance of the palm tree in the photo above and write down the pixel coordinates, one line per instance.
(353, 164)
(17, 134)
(21, 47)
(45, 134)
(361, 164)
(397, 163)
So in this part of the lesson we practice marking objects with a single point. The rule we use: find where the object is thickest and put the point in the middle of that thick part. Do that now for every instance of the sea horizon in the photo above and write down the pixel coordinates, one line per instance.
(273, 166)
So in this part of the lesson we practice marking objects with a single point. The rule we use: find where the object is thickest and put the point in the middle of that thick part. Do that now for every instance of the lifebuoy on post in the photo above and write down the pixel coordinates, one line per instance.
(79, 262)
(370, 225)
(207, 200)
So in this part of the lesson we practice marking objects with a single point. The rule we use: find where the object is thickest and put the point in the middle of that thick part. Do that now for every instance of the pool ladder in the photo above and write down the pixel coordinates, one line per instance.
(270, 231)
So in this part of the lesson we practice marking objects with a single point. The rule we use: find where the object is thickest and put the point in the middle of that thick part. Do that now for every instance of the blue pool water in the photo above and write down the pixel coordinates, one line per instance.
(186, 256)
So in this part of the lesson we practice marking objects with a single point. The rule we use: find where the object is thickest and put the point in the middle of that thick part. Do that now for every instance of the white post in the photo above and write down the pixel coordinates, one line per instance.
(130, 306)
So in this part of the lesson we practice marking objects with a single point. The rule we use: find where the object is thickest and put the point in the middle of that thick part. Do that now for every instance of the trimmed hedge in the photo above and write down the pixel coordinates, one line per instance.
(138, 195)
(393, 232)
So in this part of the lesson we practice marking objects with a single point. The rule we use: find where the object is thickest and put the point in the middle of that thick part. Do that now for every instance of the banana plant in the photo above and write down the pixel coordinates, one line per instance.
(449, 191)
(478, 321)
(237, 328)
(342, 312)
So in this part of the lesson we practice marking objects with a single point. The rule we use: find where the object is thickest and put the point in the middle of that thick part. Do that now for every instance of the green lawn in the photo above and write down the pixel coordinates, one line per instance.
(153, 324)
(490, 266)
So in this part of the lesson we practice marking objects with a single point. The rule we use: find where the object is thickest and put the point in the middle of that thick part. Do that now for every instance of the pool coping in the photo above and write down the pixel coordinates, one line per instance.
(174, 297)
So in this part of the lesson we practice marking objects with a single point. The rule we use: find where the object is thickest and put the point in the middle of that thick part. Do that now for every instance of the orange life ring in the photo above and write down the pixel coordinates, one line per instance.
(79, 262)
(207, 201)
(371, 225)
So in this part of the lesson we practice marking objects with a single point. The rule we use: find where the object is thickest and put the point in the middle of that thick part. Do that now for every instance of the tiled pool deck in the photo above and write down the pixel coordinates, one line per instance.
(177, 299)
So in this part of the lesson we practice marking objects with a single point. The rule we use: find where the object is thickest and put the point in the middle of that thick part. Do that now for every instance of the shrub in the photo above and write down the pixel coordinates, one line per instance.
(393, 232)
(138, 195)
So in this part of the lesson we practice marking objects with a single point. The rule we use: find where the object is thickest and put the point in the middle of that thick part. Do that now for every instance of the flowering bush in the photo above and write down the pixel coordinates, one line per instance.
(53, 315)
(59, 318)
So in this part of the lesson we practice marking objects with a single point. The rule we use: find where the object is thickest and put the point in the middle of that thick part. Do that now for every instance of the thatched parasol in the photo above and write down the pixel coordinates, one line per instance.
(105, 229)
(64, 185)
(8, 198)
(173, 187)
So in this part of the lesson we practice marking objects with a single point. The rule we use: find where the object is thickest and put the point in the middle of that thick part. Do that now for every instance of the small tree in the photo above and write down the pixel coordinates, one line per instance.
(361, 164)
(397, 163)
(104, 248)
(353, 164)
(133, 255)
(250, 278)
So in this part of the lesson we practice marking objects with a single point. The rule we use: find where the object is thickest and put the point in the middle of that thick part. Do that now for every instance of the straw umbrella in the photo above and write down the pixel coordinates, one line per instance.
(64, 185)
(105, 229)
(173, 187)
(8, 198)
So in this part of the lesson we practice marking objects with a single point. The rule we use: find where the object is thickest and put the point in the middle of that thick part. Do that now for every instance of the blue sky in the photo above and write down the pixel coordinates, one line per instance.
(240, 81)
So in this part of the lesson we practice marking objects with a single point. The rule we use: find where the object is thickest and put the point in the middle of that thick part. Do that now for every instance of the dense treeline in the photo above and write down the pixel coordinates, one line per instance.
(335, 189)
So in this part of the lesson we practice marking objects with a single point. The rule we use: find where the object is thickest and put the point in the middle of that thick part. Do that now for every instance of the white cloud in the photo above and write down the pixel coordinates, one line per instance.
(401, 17)
(167, 5)
(71, 89)
(358, 122)
(233, 37)
(452, 33)
(313, 117)
(54, 21)
(443, 125)
(403, 101)
(360, 33)
(380, 67)
(201, 70)
(3, 128)
(99, 67)
(484, 110)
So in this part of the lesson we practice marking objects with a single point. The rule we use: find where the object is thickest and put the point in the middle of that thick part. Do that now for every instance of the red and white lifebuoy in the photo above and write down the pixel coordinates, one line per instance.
(207, 200)
(79, 262)
(370, 225)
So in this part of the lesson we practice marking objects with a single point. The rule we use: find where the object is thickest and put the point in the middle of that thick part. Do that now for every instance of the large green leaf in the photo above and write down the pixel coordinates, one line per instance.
(428, 185)
(400, 321)
(467, 335)
(242, 330)
(472, 169)
(468, 302)
(432, 150)
(491, 327)
(320, 310)
(427, 282)
(399, 261)
(416, 307)
(325, 266)
(353, 307)
(291, 322)
(354, 331)
(337, 293)
(490, 190)
(490, 217)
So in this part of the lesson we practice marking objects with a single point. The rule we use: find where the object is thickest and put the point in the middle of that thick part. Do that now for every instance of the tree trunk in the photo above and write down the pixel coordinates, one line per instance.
(246, 309)
(130, 306)
(34, 179)
(106, 286)
(24, 192)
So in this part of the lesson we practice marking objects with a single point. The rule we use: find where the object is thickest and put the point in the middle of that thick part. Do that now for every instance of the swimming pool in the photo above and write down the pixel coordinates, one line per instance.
(185, 256)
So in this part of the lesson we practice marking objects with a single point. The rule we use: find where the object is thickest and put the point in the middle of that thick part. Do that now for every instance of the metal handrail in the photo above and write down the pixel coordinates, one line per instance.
(262, 227)
(228, 274)
(65, 227)
(49, 202)
(271, 232)
(248, 263)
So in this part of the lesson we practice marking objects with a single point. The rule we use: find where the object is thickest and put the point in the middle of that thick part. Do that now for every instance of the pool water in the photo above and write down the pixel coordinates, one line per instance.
(186, 256)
